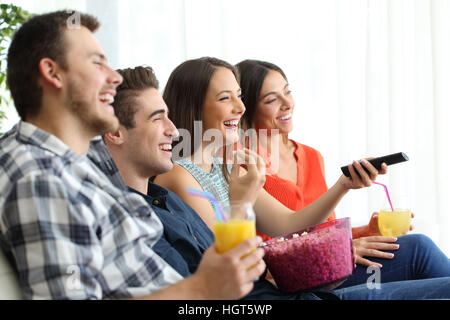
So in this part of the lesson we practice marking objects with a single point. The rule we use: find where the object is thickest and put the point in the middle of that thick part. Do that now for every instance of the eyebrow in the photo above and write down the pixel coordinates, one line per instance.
(154, 113)
(273, 92)
(100, 55)
(227, 91)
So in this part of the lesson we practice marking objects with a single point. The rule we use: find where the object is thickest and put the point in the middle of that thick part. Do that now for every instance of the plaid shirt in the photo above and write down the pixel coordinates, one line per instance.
(70, 232)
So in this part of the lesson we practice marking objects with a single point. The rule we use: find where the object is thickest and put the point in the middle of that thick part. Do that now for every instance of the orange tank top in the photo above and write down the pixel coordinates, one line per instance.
(310, 185)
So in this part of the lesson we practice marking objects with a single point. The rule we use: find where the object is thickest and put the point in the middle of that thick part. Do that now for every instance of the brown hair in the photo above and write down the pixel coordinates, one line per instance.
(40, 37)
(253, 73)
(185, 94)
(134, 81)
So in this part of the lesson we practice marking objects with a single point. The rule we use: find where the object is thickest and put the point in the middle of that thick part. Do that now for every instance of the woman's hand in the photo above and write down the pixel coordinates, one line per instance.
(373, 246)
(246, 186)
(364, 179)
(372, 229)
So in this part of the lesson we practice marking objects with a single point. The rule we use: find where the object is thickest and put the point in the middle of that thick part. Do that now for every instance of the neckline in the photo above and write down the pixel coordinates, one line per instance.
(297, 157)
(214, 166)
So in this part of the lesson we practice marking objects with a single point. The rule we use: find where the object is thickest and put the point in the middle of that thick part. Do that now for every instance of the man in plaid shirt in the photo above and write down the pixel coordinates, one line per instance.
(68, 231)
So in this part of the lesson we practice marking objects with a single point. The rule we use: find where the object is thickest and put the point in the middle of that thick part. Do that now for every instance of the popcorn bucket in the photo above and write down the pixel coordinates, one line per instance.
(312, 257)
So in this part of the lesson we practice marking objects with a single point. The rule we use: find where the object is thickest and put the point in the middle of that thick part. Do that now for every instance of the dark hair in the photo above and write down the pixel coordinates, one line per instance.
(40, 37)
(134, 81)
(186, 89)
(185, 94)
(253, 73)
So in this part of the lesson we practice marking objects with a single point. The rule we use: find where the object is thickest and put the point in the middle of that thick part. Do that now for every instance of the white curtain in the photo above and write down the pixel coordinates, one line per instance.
(370, 77)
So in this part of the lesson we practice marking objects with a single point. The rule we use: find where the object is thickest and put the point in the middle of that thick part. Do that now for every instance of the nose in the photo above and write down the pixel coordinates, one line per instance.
(287, 104)
(115, 78)
(238, 106)
(171, 130)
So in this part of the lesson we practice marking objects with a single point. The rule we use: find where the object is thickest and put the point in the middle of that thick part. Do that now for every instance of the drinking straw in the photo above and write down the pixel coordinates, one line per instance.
(387, 193)
(206, 195)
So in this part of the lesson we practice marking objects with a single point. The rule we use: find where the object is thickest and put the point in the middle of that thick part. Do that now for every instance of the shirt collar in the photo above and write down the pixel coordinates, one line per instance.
(99, 154)
(30, 134)
(155, 190)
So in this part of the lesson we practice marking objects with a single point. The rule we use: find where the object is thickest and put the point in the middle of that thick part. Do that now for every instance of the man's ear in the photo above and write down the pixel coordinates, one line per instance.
(49, 71)
(117, 137)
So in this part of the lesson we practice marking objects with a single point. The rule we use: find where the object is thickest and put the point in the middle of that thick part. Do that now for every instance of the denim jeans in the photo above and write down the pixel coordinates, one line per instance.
(425, 289)
(419, 271)
(418, 257)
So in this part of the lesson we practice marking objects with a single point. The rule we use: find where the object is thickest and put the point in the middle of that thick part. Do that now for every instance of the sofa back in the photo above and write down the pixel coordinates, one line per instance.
(9, 284)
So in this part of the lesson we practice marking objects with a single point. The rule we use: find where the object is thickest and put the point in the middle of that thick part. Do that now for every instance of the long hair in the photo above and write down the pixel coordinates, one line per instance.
(185, 94)
(253, 73)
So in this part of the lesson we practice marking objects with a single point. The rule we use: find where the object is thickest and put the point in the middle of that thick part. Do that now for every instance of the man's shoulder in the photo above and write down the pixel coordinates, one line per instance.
(15, 155)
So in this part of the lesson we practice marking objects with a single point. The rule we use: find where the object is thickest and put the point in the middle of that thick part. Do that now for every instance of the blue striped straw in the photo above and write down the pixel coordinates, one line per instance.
(221, 217)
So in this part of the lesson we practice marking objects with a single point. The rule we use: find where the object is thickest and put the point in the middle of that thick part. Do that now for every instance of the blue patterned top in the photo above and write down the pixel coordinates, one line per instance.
(213, 182)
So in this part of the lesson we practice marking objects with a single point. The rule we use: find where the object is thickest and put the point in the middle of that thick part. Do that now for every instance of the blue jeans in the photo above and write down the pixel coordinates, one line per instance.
(424, 289)
(419, 270)
(418, 257)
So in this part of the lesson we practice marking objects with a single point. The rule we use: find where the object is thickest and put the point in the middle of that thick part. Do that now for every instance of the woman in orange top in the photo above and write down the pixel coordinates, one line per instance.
(310, 180)
(298, 178)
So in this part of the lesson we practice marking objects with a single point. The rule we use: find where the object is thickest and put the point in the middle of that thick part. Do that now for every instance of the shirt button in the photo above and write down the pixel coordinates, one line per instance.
(156, 202)
(195, 238)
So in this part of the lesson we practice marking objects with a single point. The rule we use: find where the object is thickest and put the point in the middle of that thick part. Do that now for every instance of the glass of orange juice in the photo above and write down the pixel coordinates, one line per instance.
(394, 223)
(239, 225)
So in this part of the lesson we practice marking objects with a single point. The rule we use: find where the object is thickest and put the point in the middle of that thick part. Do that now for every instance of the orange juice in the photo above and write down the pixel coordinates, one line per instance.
(229, 234)
(394, 223)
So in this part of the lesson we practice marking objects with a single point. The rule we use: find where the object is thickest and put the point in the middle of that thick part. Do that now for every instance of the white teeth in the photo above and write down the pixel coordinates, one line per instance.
(107, 98)
(231, 123)
(165, 147)
(287, 117)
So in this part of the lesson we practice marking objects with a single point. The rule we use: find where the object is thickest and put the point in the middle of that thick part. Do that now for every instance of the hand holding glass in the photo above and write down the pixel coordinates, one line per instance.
(239, 225)
(394, 223)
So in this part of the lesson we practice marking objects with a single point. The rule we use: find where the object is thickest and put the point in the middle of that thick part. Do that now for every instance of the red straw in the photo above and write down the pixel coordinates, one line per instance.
(387, 193)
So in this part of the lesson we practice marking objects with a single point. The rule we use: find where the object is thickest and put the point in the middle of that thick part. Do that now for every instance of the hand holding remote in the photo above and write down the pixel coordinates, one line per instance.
(376, 162)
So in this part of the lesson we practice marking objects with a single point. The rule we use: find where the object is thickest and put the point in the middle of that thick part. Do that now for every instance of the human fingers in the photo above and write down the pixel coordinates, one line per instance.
(376, 254)
(384, 168)
(359, 176)
(252, 257)
(372, 172)
(367, 262)
(255, 270)
(380, 239)
(383, 246)
(244, 247)
(235, 170)
(255, 162)
(261, 164)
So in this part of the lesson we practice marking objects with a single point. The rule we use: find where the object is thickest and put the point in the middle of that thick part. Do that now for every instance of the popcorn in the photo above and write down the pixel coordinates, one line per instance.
(316, 258)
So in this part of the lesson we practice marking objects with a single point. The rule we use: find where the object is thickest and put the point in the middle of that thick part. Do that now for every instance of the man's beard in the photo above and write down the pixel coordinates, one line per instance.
(86, 111)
